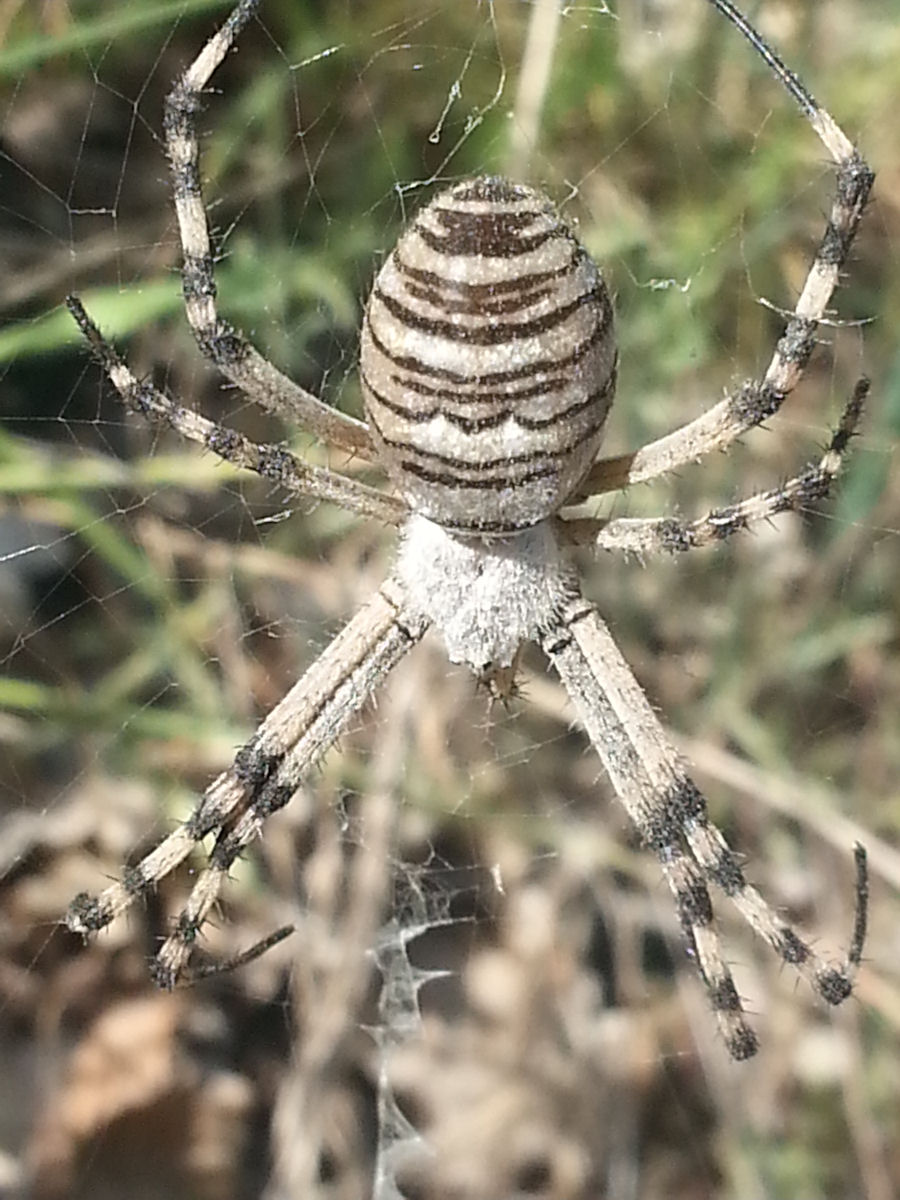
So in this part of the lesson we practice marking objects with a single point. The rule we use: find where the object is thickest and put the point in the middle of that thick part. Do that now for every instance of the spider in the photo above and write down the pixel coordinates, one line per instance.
(488, 365)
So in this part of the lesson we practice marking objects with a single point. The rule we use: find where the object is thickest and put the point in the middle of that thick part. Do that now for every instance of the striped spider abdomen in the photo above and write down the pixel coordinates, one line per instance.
(488, 359)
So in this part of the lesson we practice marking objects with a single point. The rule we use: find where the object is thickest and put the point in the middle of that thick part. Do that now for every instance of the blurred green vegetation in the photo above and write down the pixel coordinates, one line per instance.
(701, 189)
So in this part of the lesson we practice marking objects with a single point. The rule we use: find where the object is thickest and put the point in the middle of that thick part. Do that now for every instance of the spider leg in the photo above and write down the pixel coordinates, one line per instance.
(759, 399)
(223, 345)
(636, 535)
(671, 815)
(267, 771)
(272, 462)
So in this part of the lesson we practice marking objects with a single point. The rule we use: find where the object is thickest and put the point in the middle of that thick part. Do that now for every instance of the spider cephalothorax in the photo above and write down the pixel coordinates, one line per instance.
(488, 368)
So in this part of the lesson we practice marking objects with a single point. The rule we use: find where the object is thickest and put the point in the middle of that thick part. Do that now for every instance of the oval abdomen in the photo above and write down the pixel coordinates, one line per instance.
(488, 359)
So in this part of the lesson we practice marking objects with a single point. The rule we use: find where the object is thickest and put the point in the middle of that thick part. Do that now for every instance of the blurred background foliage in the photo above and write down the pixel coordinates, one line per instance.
(153, 604)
